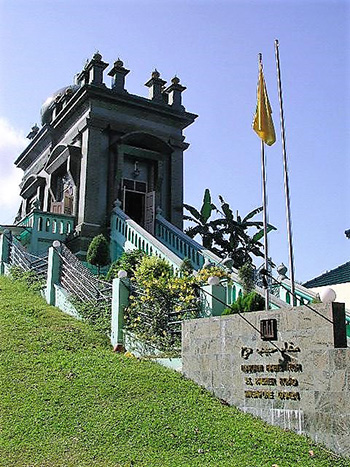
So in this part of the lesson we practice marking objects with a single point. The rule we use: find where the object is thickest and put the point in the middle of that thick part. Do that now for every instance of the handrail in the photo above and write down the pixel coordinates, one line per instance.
(202, 252)
(302, 291)
(169, 234)
(127, 234)
(48, 223)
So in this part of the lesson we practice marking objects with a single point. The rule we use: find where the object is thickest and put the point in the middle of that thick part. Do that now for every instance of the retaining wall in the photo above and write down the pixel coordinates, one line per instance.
(299, 381)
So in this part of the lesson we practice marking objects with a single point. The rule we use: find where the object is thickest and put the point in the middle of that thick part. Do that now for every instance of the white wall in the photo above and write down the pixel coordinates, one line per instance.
(342, 291)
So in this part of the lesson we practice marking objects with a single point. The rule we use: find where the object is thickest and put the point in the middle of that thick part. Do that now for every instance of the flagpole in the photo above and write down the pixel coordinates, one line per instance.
(263, 173)
(263, 127)
(285, 170)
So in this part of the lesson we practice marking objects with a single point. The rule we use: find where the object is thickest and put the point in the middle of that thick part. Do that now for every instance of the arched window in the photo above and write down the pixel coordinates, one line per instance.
(233, 292)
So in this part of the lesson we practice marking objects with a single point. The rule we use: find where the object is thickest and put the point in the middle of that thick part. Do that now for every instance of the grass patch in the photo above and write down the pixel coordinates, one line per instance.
(67, 400)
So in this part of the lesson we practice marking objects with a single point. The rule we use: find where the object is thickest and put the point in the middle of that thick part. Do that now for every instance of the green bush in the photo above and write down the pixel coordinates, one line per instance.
(128, 262)
(158, 304)
(245, 303)
(98, 252)
(152, 267)
(186, 266)
(246, 275)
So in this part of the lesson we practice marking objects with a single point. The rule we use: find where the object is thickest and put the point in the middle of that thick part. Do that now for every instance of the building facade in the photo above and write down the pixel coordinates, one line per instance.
(338, 279)
(99, 144)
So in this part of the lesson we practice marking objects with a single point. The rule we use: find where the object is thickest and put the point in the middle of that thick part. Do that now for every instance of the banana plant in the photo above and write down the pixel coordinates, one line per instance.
(204, 227)
(228, 234)
(236, 242)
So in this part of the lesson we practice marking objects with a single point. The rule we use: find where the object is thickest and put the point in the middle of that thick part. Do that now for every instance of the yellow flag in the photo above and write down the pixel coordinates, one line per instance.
(263, 124)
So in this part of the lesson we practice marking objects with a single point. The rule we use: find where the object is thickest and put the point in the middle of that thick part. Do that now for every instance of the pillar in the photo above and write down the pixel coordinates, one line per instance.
(5, 243)
(53, 273)
(156, 85)
(118, 73)
(120, 300)
(174, 91)
(210, 294)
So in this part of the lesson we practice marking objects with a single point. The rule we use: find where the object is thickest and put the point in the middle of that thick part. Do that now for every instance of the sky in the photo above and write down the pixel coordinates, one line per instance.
(213, 47)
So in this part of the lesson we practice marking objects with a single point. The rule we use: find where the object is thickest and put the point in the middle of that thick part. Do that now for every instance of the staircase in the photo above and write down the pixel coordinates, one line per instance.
(171, 244)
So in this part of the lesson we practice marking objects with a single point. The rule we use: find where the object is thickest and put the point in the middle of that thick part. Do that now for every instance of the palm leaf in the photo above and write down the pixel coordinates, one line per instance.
(193, 231)
(206, 206)
(260, 234)
(226, 209)
(254, 224)
(191, 219)
(252, 213)
(193, 211)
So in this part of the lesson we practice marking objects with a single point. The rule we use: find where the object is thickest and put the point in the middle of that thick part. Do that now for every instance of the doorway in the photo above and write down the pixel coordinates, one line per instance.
(139, 204)
(134, 206)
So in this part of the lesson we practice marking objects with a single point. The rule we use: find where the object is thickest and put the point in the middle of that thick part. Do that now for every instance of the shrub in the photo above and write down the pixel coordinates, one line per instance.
(128, 262)
(186, 267)
(98, 252)
(254, 302)
(159, 302)
(246, 274)
(245, 303)
(204, 274)
(152, 267)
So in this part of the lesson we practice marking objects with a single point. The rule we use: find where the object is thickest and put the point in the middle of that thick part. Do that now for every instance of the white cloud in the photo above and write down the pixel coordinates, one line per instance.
(12, 142)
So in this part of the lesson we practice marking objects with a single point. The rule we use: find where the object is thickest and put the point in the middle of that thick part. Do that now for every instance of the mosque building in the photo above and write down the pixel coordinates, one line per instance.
(98, 144)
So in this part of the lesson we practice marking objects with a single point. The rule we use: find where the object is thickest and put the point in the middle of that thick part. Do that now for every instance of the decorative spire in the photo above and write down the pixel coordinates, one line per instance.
(118, 73)
(156, 86)
(33, 132)
(174, 91)
(93, 71)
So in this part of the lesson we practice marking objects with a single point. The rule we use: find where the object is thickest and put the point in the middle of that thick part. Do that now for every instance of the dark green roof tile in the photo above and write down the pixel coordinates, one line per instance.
(339, 275)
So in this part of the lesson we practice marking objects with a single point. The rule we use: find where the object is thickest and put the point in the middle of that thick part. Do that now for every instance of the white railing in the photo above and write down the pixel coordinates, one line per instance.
(127, 235)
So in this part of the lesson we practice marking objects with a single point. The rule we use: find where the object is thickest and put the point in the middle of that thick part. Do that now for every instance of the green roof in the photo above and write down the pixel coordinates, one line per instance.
(339, 275)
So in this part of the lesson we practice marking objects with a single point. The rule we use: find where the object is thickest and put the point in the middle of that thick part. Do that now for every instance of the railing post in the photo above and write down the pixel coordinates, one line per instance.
(120, 300)
(5, 243)
(212, 306)
(53, 272)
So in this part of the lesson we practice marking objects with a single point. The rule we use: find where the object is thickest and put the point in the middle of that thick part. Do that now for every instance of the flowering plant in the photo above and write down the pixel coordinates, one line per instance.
(159, 302)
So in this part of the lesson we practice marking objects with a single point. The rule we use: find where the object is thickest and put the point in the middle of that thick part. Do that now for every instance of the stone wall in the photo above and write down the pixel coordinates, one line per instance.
(298, 380)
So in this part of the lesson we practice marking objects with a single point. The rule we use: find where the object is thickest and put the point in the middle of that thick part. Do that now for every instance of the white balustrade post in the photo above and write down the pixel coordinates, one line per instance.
(213, 296)
(120, 300)
(53, 273)
(5, 242)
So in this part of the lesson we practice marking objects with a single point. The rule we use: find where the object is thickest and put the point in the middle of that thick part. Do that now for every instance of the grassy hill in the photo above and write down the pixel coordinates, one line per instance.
(67, 400)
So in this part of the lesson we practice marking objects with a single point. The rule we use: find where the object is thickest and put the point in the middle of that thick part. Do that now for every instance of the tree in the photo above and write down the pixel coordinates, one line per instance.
(246, 275)
(98, 252)
(203, 227)
(233, 238)
(227, 235)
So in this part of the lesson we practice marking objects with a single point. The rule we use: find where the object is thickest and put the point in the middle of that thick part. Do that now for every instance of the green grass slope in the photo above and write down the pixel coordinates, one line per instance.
(67, 400)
